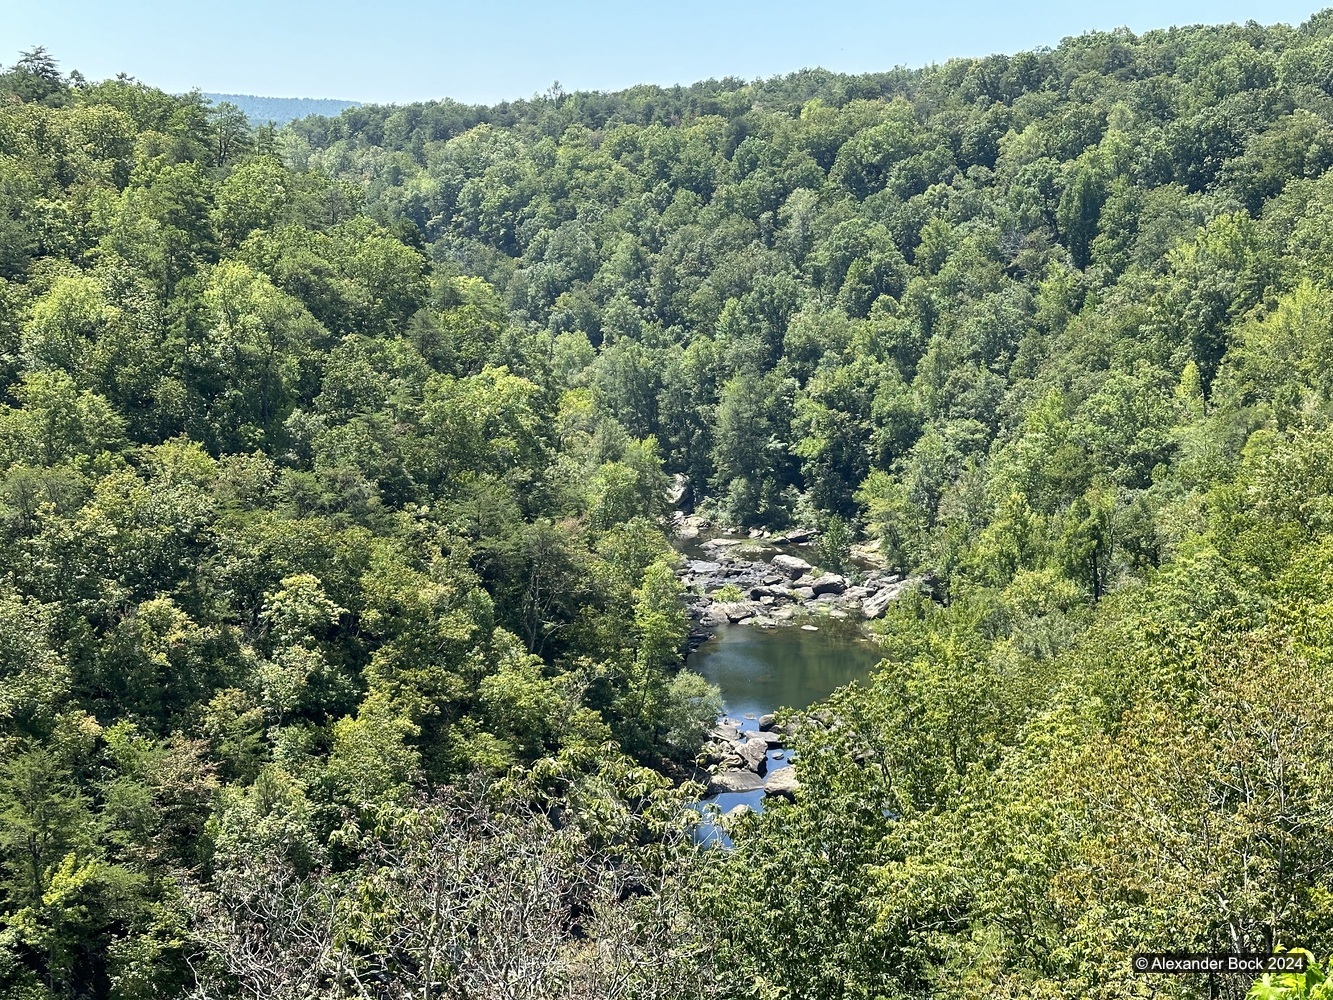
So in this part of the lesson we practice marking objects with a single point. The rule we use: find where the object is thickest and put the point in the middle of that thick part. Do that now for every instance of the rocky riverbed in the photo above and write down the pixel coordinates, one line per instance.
(767, 583)
(744, 761)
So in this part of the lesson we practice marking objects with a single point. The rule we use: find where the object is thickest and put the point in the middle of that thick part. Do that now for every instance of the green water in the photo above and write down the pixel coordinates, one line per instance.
(760, 670)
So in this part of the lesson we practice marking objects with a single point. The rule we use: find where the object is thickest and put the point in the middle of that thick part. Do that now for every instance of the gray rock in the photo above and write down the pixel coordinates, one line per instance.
(829, 583)
(874, 607)
(868, 553)
(726, 732)
(766, 721)
(736, 812)
(755, 755)
(790, 566)
(721, 543)
(783, 782)
(714, 615)
(702, 566)
(803, 593)
(878, 581)
(769, 738)
(676, 491)
(734, 781)
(688, 526)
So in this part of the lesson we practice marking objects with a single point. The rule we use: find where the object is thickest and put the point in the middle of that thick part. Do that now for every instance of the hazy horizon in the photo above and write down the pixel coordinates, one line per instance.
(412, 51)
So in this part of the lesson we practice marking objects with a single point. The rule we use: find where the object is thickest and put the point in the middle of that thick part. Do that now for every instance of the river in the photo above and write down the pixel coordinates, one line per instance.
(760, 670)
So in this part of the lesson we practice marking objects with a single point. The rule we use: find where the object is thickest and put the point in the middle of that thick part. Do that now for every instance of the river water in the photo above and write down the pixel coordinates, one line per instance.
(760, 670)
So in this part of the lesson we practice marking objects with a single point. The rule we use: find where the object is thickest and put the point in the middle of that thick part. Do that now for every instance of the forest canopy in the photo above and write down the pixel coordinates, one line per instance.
(340, 641)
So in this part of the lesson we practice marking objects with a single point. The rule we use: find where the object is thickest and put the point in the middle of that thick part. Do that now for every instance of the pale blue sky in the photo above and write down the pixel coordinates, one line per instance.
(405, 50)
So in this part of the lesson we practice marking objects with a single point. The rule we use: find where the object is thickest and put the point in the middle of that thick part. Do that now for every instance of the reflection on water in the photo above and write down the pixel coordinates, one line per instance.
(761, 670)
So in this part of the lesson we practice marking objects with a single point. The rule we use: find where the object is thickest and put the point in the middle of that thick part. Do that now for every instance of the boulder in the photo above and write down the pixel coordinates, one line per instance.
(878, 581)
(726, 732)
(721, 543)
(688, 526)
(829, 583)
(783, 781)
(676, 491)
(766, 721)
(721, 757)
(714, 615)
(769, 738)
(875, 606)
(702, 567)
(738, 611)
(868, 554)
(790, 566)
(735, 781)
(803, 593)
(755, 755)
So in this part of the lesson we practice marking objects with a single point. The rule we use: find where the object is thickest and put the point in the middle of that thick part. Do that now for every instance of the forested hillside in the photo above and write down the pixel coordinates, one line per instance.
(339, 637)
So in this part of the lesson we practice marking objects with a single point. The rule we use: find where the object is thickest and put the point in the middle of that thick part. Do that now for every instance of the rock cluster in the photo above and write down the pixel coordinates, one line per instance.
(738, 761)
(767, 587)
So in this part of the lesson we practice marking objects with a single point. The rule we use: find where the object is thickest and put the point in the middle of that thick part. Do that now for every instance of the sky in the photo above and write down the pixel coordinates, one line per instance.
(395, 51)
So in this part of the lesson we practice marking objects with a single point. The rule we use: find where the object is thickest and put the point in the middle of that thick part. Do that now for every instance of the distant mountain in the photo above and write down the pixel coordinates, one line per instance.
(280, 110)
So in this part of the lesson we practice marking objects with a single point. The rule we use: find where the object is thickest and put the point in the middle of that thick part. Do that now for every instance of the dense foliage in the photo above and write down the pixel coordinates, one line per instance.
(339, 652)
(293, 528)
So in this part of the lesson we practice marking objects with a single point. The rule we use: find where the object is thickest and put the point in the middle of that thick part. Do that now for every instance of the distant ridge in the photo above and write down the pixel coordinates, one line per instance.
(280, 110)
